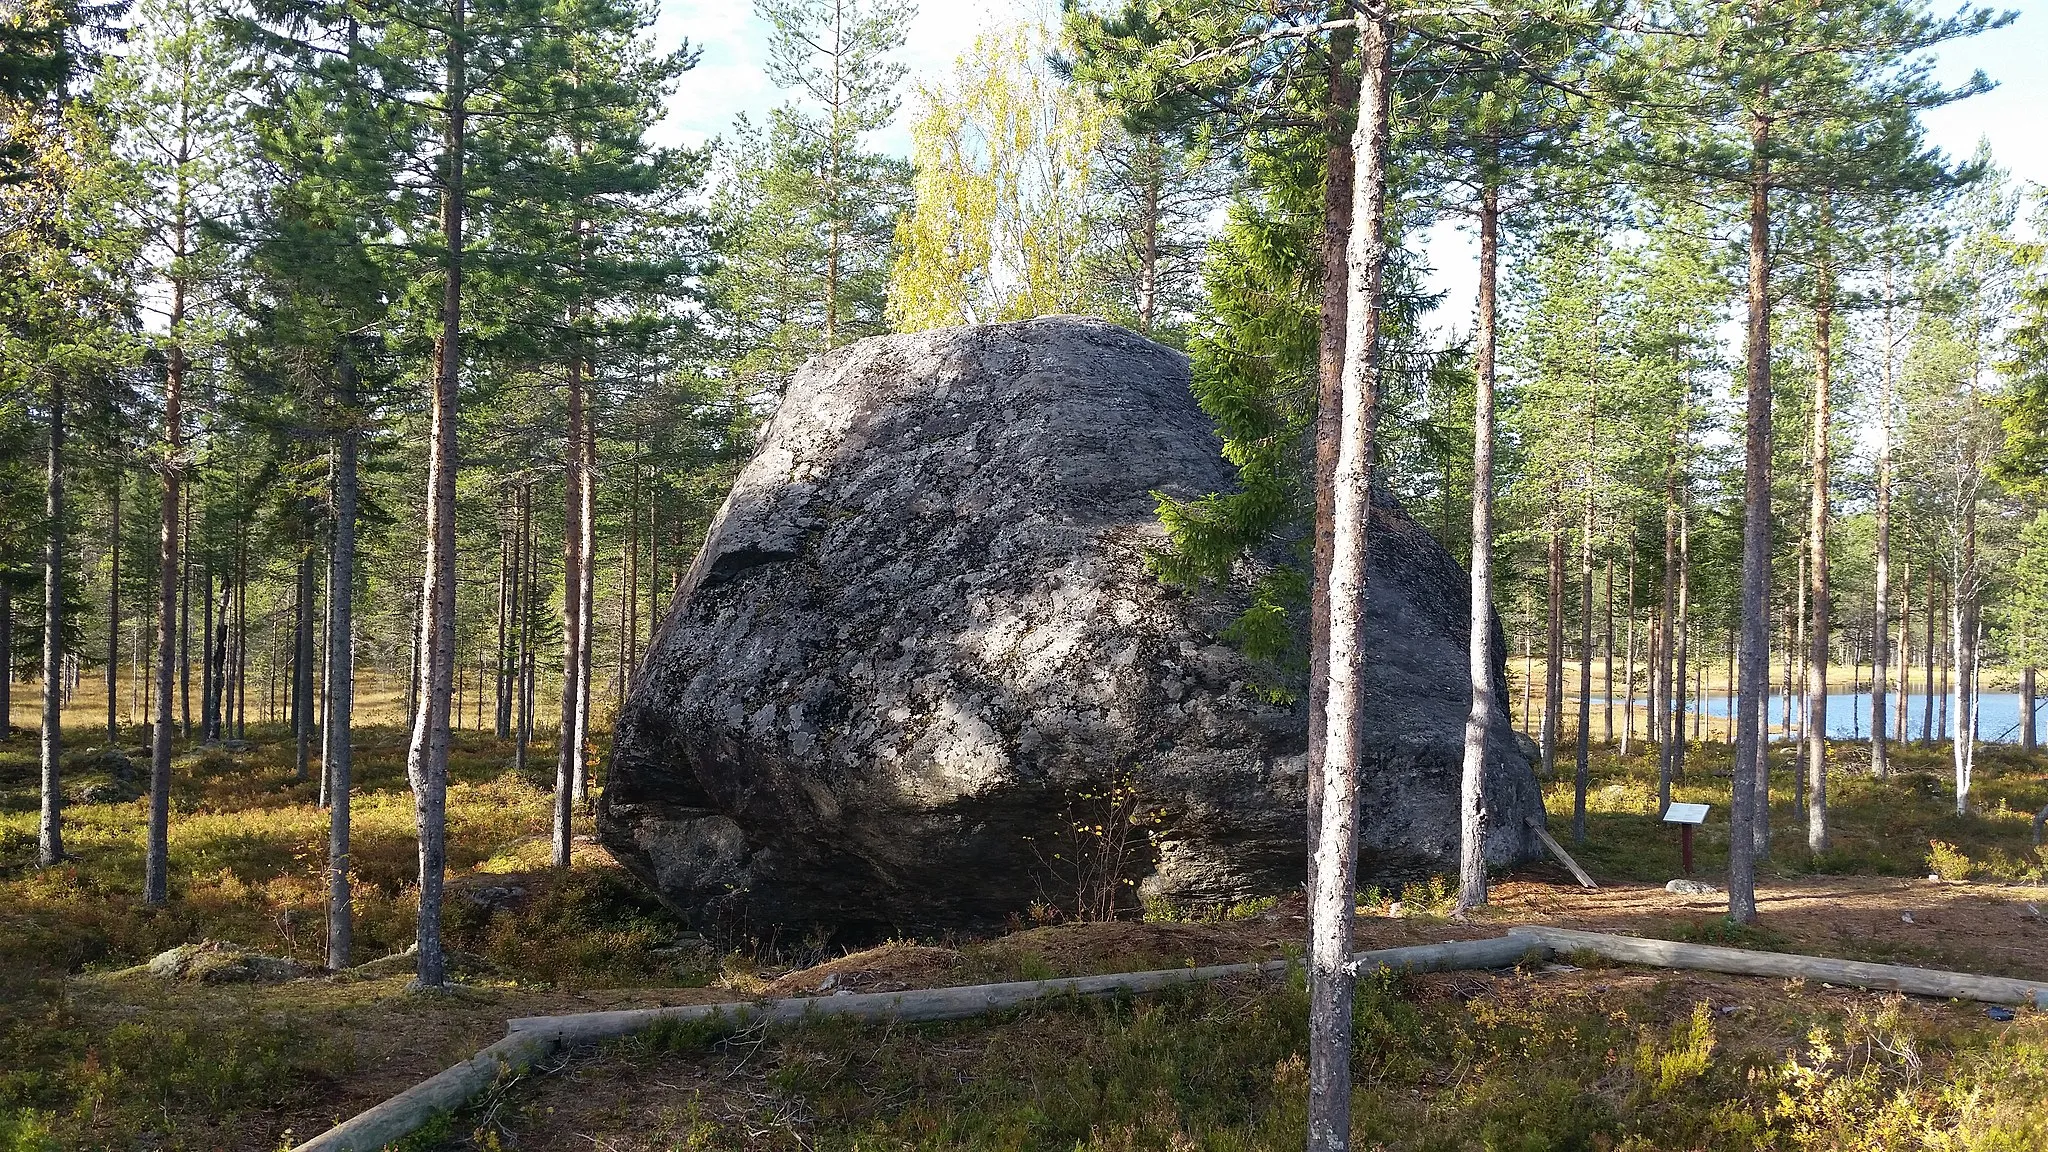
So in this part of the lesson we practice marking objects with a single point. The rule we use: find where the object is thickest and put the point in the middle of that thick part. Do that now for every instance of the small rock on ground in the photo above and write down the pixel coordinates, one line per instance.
(1690, 888)
(218, 962)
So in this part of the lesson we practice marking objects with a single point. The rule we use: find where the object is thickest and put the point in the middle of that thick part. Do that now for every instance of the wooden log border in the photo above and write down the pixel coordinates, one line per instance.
(531, 1039)
(1742, 962)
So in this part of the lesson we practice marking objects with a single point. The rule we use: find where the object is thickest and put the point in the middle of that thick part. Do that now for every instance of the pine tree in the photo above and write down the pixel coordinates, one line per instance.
(176, 99)
(1742, 101)
(834, 57)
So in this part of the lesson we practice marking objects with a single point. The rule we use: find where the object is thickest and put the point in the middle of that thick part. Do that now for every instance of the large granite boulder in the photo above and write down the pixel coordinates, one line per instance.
(919, 676)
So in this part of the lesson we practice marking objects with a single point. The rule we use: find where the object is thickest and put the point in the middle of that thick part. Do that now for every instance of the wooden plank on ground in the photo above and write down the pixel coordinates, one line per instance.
(1742, 962)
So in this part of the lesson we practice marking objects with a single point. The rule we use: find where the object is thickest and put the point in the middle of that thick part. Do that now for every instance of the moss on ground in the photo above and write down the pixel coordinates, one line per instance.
(1607, 1058)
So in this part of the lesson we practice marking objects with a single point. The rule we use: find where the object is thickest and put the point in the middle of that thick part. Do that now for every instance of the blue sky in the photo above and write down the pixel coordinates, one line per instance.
(729, 81)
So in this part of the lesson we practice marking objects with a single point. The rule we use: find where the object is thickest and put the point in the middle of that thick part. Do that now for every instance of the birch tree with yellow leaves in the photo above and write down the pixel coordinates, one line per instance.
(1003, 223)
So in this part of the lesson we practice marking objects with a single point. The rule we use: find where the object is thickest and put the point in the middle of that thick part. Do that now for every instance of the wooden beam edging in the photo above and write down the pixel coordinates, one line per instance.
(531, 1039)
(1742, 962)
(1557, 850)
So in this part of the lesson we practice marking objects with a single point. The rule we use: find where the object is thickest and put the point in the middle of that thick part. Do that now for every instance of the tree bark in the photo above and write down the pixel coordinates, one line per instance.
(217, 661)
(1337, 195)
(1964, 640)
(1927, 656)
(6, 659)
(1881, 636)
(156, 857)
(1332, 894)
(302, 673)
(1819, 624)
(572, 614)
(337, 756)
(50, 833)
(501, 701)
(241, 635)
(1901, 733)
(427, 757)
(113, 614)
(206, 686)
(522, 596)
(2028, 743)
(1662, 719)
(1582, 774)
(185, 625)
(1753, 656)
(1681, 629)
(1553, 638)
(586, 632)
(1479, 637)
(1628, 663)
(1607, 653)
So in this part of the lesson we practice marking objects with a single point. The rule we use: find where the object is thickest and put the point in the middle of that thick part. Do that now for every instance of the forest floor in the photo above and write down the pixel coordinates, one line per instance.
(96, 1054)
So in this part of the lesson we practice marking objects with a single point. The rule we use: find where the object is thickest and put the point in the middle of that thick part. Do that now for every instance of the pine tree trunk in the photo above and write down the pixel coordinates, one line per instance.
(572, 614)
(1607, 654)
(501, 700)
(1553, 638)
(6, 659)
(206, 651)
(1753, 658)
(629, 594)
(1662, 717)
(1881, 636)
(1728, 688)
(50, 832)
(241, 636)
(2028, 743)
(427, 757)
(1332, 891)
(302, 673)
(1582, 775)
(1927, 657)
(586, 632)
(1148, 247)
(113, 615)
(1903, 707)
(338, 756)
(522, 597)
(1528, 680)
(1654, 688)
(1681, 627)
(185, 626)
(156, 857)
(1628, 663)
(1337, 197)
(216, 662)
(1479, 637)
(1819, 625)
(654, 568)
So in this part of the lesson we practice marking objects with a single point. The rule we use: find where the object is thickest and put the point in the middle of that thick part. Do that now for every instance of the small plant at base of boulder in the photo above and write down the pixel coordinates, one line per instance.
(1105, 833)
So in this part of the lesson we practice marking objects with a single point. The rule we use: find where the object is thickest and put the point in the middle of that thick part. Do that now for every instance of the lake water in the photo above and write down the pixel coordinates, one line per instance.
(1998, 721)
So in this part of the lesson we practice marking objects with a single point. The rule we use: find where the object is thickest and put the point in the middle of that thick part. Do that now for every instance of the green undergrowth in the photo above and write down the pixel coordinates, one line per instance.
(89, 1059)
(1515, 1065)
(1903, 825)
